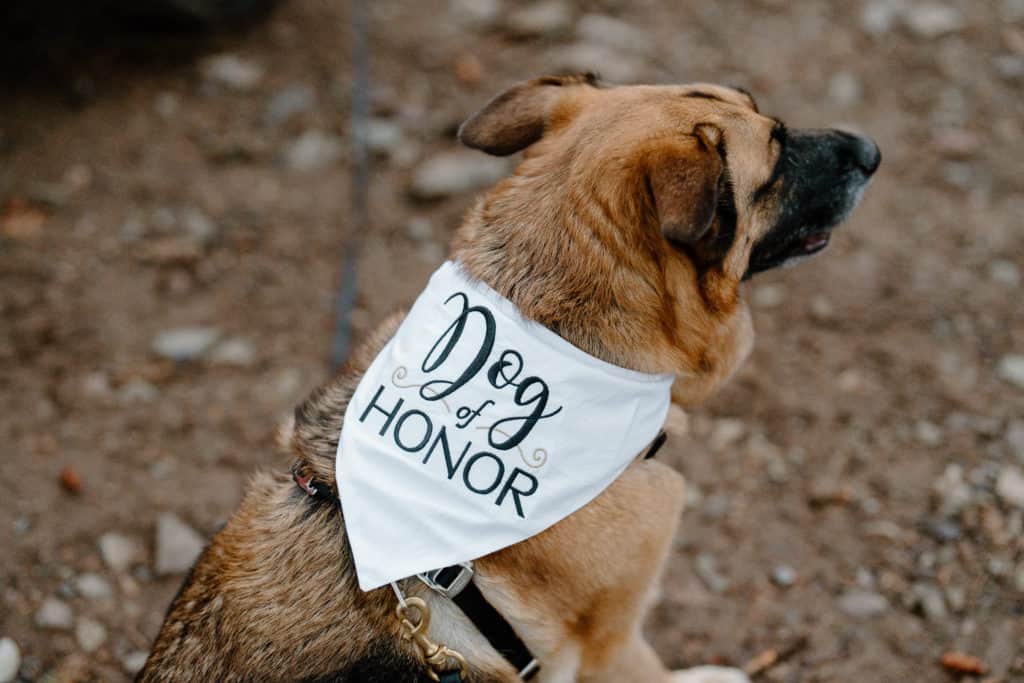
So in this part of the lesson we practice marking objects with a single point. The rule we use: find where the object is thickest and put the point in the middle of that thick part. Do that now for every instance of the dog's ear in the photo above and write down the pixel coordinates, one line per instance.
(516, 118)
(683, 177)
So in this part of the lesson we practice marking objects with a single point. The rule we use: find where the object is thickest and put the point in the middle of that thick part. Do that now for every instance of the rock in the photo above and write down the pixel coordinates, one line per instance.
(166, 104)
(878, 17)
(1010, 67)
(177, 545)
(287, 103)
(822, 309)
(863, 604)
(726, 432)
(769, 296)
(92, 586)
(957, 143)
(943, 530)
(604, 30)
(613, 65)
(1011, 369)
(198, 225)
(709, 674)
(96, 385)
(1012, 10)
(477, 14)
(383, 136)
(454, 173)
(1015, 438)
(120, 552)
(90, 634)
(539, 19)
(10, 660)
(133, 661)
(928, 433)
(952, 491)
(314, 150)
(70, 480)
(1010, 486)
(184, 343)
(231, 71)
(929, 599)
(136, 391)
(237, 351)
(54, 614)
(1004, 272)
(933, 20)
(844, 89)
(784, 576)
(707, 569)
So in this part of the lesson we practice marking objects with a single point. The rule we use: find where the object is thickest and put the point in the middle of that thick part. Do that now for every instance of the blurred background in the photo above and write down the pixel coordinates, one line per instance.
(174, 206)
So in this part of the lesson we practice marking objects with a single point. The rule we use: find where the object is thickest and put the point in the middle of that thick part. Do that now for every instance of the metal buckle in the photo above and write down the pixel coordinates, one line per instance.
(446, 582)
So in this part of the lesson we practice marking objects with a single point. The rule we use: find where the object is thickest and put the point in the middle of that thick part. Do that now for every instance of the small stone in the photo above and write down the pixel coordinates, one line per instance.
(237, 351)
(54, 614)
(133, 661)
(419, 229)
(539, 19)
(769, 296)
(184, 343)
(478, 14)
(198, 225)
(119, 552)
(166, 105)
(1005, 273)
(136, 391)
(928, 433)
(784, 576)
(932, 20)
(844, 89)
(1015, 438)
(383, 135)
(177, 545)
(314, 150)
(468, 69)
(1012, 10)
(951, 490)
(10, 660)
(822, 309)
(710, 674)
(929, 599)
(232, 72)
(604, 30)
(863, 604)
(287, 103)
(612, 64)
(943, 530)
(877, 17)
(1011, 369)
(90, 634)
(96, 385)
(70, 480)
(707, 569)
(1010, 486)
(1010, 67)
(455, 173)
(92, 586)
(956, 143)
(726, 432)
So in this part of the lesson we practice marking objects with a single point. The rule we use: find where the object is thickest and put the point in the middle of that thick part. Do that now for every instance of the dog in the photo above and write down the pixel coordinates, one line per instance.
(627, 228)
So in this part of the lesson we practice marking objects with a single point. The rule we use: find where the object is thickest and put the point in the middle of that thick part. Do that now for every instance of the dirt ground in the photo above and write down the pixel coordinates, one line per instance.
(856, 496)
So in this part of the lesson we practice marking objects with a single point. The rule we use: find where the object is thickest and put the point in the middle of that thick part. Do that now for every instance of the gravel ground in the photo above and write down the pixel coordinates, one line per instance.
(171, 220)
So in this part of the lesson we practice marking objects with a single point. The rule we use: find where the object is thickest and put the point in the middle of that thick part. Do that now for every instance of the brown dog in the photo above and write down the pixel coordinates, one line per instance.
(627, 229)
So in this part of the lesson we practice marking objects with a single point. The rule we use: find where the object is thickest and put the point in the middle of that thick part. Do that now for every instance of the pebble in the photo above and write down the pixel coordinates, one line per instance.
(710, 674)
(769, 296)
(166, 104)
(232, 72)
(929, 598)
(119, 552)
(90, 634)
(1004, 272)
(184, 343)
(236, 351)
(539, 19)
(844, 89)
(933, 20)
(1012, 10)
(877, 17)
(454, 173)
(952, 491)
(287, 103)
(198, 225)
(10, 660)
(54, 614)
(137, 390)
(1011, 369)
(383, 136)
(928, 433)
(707, 569)
(314, 150)
(726, 432)
(177, 545)
(1010, 486)
(478, 14)
(604, 30)
(784, 576)
(613, 65)
(942, 530)
(92, 586)
(1010, 67)
(863, 604)
(1015, 438)
(133, 661)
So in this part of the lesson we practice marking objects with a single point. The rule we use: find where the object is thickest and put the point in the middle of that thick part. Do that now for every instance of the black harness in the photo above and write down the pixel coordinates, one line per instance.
(456, 583)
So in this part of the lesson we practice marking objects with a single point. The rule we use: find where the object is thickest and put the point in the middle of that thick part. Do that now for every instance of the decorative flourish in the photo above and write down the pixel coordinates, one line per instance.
(401, 372)
(535, 460)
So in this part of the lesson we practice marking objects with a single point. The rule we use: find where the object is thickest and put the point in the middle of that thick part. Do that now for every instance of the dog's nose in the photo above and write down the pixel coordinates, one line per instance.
(863, 150)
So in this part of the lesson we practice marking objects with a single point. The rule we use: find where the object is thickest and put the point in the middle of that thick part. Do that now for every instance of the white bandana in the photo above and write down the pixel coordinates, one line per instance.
(475, 429)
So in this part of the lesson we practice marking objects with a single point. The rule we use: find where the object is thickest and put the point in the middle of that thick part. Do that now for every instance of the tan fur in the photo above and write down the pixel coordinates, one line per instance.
(596, 237)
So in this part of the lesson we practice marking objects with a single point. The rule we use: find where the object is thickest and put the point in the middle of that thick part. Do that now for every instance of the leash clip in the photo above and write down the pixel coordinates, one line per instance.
(448, 581)
(436, 656)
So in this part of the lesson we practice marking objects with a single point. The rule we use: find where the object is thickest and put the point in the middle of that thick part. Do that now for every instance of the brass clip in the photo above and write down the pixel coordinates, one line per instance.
(436, 656)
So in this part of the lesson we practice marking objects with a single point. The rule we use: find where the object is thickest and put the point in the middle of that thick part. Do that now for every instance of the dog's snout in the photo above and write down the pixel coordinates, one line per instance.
(863, 151)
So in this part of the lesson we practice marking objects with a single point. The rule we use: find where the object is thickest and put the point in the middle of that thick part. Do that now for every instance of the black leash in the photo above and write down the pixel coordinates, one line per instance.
(359, 216)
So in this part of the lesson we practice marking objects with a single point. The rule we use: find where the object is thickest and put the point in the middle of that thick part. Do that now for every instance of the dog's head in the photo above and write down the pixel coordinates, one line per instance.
(694, 172)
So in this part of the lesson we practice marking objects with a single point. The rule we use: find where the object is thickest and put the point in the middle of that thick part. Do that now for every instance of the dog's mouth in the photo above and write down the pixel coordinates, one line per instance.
(814, 243)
